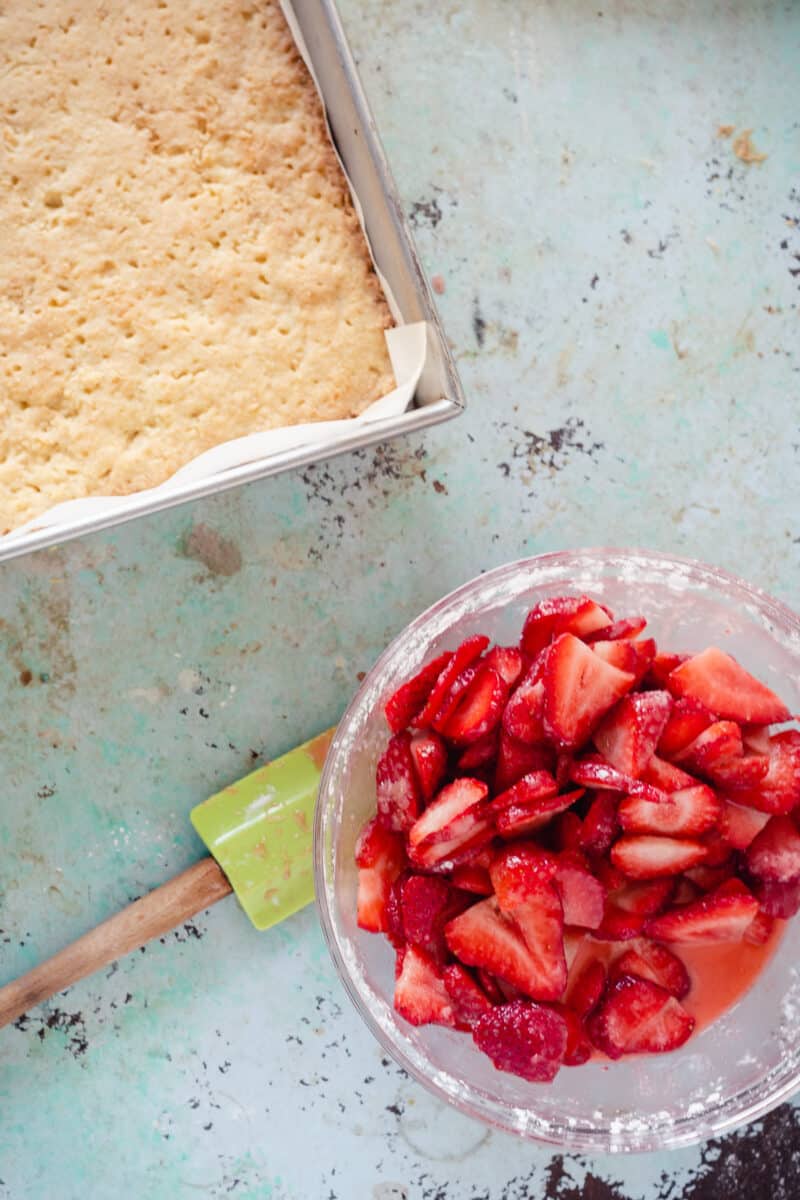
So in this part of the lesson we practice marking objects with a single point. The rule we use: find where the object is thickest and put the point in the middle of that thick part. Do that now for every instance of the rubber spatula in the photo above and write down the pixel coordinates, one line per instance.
(259, 833)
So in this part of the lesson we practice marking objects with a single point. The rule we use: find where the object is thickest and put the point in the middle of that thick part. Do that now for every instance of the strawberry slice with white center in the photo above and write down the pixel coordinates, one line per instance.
(523, 718)
(408, 700)
(583, 896)
(594, 771)
(578, 1049)
(397, 786)
(727, 689)
(759, 931)
(756, 739)
(645, 899)
(380, 857)
(627, 737)
(635, 657)
(468, 998)
(579, 689)
(648, 960)
(600, 825)
(483, 936)
(454, 811)
(642, 856)
(739, 825)
(624, 628)
(774, 853)
(666, 776)
(737, 774)
(430, 761)
(687, 721)
(508, 661)
(662, 666)
(478, 710)
(721, 916)
(637, 1016)
(618, 925)
(515, 759)
(420, 994)
(464, 656)
(562, 614)
(526, 1039)
(516, 819)
(716, 744)
(585, 988)
(519, 872)
(537, 785)
(779, 790)
(689, 812)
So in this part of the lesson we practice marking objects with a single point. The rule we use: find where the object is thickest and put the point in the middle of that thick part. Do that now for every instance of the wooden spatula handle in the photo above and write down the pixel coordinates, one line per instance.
(153, 915)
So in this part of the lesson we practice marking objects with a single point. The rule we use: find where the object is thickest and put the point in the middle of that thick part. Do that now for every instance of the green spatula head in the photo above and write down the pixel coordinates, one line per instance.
(260, 831)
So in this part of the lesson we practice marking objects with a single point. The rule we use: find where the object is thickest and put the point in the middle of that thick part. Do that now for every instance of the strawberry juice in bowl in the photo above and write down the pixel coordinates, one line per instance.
(687, 1012)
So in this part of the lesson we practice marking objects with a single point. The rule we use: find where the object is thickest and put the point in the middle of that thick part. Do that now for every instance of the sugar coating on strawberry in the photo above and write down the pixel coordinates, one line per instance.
(397, 785)
(774, 852)
(468, 998)
(524, 1038)
(637, 1016)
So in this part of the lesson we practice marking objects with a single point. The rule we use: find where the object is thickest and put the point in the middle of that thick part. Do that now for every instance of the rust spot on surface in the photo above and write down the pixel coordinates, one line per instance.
(25, 677)
(744, 149)
(220, 555)
(260, 849)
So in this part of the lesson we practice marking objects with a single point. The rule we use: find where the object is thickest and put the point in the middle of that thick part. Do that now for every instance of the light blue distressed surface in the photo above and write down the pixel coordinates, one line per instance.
(623, 310)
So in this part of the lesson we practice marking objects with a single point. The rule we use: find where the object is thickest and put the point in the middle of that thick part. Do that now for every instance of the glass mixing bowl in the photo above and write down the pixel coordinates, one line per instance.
(732, 1072)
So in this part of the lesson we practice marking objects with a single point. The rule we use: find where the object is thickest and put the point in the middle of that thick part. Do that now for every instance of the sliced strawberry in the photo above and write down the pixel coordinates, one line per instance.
(726, 688)
(662, 666)
(708, 879)
(562, 614)
(747, 771)
(645, 899)
(600, 825)
(579, 688)
(774, 853)
(515, 759)
(635, 657)
(594, 771)
(718, 743)
(408, 700)
(666, 775)
(637, 1016)
(584, 991)
(644, 857)
(759, 931)
(517, 819)
(582, 896)
(427, 903)
(720, 916)
(777, 899)
(471, 878)
(396, 784)
(482, 753)
(483, 936)
(648, 960)
(779, 790)
(420, 995)
(537, 785)
(686, 892)
(526, 1039)
(393, 911)
(380, 857)
(490, 986)
(540, 920)
(519, 872)
(466, 654)
(479, 710)
(455, 694)
(523, 718)
(688, 813)
(625, 627)
(444, 856)
(508, 662)
(454, 811)
(756, 739)
(738, 825)
(565, 831)
(618, 924)
(627, 737)
(565, 762)
(610, 877)
(430, 761)
(469, 1000)
(687, 721)
(578, 1049)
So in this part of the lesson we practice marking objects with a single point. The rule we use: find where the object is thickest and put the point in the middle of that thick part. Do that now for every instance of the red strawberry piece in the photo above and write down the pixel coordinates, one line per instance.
(490, 986)
(719, 916)
(720, 741)
(618, 924)
(394, 913)
(408, 700)
(427, 903)
(430, 761)
(774, 853)
(756, 739)
(582, 896)
(565, 831)
(648, 960)
(519, 872)
(481, 753)
(579, 688)
(779, 790)
(610, 877)
(777, 899)
(537, 785)
(686, 892)
(526, 1039)
(645, 899)
(662, 666)
(468, 999)
(726, 688)
(420, 994)
(666, 775)
(584, 991)
(562, 614)
(466, 654)
(483, 936)
(594, 771)
(523, 718)
(539, 918)
(637, 1016)
(397, 786)
(687, 721)
(578, 1049)
(760, 929)
(455, 694)
(738, 825)
(460, 850)
(600, 824)
(479, 710)
(642, 856)
(564, 764)
(517, 819)
(625, 627)
(707, 879)
(380, 857)
(456, 809)
(635, 657)
(471, 878)
(509, 991)
(690, 812)
(746, 771)
(508, 662)
(627, 737)
(515, 759)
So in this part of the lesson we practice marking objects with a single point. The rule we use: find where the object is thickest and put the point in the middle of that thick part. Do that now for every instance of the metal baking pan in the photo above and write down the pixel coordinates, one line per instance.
(438, 394)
